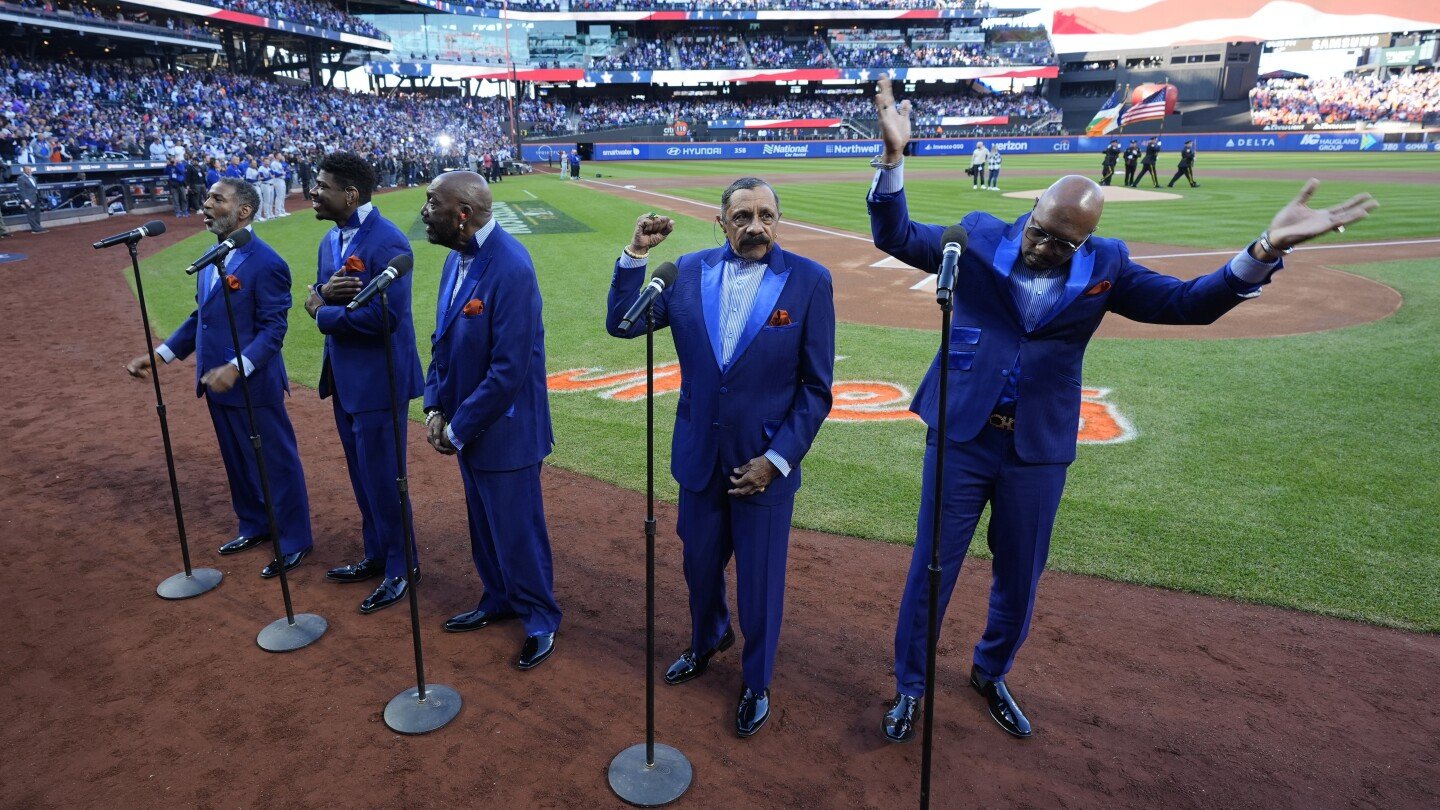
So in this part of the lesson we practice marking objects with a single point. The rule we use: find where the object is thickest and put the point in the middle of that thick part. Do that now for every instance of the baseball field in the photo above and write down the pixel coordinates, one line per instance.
(1242, 609)
(1291, 469)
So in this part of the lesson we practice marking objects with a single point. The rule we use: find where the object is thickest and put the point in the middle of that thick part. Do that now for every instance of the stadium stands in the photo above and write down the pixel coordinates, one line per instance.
(1412, 98)
(310, 12)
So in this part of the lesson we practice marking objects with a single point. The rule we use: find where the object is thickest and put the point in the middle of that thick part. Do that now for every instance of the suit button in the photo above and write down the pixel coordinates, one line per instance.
(724, 390)
(203, 327)
(1004, 372)
(714, 425)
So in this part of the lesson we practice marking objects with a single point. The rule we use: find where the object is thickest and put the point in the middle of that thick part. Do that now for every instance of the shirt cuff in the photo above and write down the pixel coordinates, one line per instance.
(629, 262)
(450, 434)
(779, 461)
(1245, 274)
(888, 181)
(249, 366)
(164, 353)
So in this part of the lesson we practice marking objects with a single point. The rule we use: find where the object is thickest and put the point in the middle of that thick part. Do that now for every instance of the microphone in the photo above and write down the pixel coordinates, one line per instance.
(237, 240)
(955, 239)
(399, 266)
(663, 277)
(152, 228)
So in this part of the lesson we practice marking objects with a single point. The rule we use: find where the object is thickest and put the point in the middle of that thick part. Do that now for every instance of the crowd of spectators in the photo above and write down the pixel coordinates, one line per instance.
(318, 13)
(739, 5)
(87, 11)
(615, 113)
(1411, 97)
(543, 117)
(711, 52)
(773, 51)
(56, 111)
(639, 54)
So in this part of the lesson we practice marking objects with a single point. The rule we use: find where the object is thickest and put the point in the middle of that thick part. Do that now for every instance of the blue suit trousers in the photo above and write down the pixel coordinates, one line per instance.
(369, 441)
(1023, 500)
(282, 464)
(713, 527)
(511, 545)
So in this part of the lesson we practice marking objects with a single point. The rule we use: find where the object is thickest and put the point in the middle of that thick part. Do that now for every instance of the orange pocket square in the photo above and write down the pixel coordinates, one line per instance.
(1103, 286)
(780, 318)
(354, 265)
(474, 307)
(233, 282)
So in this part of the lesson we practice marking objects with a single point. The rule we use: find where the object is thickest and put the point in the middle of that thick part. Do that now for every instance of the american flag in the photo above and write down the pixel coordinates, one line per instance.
(1151, 109)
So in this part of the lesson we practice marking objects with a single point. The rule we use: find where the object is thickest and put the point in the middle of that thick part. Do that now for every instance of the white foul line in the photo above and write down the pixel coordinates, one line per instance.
(1343, 246)
(532, 196)
(788, 223)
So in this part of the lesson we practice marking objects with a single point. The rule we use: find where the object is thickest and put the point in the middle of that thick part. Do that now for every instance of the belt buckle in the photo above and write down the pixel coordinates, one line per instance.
(1000, 421)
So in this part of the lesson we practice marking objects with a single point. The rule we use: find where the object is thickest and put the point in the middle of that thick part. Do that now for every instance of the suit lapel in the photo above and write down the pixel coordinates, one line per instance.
(771, 285)
(1082, 265)
(711, 276)
(240, 256)
(456, 303)
(1006, 254)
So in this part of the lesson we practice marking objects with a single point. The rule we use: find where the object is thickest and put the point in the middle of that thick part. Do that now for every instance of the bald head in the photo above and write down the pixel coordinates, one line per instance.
(457, 204)
(1069, 211)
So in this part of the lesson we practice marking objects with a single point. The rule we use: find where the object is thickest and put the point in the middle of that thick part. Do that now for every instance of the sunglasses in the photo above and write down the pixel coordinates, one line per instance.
(1044, 237)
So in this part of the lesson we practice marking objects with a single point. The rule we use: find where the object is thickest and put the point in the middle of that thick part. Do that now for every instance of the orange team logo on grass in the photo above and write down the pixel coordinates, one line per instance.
(474, 307)
(354, 265)
(233, 282)
(855, 401)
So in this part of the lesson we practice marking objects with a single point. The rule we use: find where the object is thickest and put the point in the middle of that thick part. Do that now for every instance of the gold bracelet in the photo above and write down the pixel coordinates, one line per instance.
(640, 258)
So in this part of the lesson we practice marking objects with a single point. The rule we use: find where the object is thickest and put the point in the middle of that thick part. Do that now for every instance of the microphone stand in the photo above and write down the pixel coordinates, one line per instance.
(192, 581)
(943, 297)
(650, 774)
(422, 709)
(291, 632)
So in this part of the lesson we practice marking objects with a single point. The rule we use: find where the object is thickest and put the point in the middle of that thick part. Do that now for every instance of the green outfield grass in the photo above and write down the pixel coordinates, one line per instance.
(1294, 471)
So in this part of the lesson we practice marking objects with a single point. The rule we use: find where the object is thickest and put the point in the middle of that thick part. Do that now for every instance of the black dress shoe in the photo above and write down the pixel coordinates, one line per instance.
(356, 572)
(535, 650)
(899, 723)
(391, 590)
(476, 619)
(242, 543)
(291, 560)
(1003, 707)
(753, 711)
(690, 666)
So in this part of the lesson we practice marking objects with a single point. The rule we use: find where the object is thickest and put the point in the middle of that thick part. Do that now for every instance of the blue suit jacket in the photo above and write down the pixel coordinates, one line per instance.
(262, 306)
(987, 335)
(353, 368)
(487, 370)
(775, 392)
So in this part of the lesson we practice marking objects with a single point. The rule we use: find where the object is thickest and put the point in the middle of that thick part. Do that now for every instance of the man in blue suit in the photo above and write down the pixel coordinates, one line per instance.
(354, 368)
(1028, 297)
(486, 401)
(754, 328)
(259, 281)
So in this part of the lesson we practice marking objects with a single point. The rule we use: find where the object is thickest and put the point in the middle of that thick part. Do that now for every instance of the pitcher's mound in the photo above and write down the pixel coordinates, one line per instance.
(1112, 194)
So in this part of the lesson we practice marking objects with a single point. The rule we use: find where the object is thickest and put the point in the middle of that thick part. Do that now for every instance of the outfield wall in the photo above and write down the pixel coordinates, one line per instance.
(1214, 142)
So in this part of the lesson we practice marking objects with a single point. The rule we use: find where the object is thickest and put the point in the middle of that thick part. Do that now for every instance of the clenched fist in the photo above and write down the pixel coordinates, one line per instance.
(650, 230)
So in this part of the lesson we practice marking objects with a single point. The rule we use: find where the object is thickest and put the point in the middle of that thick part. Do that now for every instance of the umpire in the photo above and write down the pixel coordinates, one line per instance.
(1185, 168)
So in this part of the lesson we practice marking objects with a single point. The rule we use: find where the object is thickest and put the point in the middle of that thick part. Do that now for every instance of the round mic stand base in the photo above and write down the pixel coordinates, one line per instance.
(645, 785)
(283, 636)
(406, 713)
(184, 586)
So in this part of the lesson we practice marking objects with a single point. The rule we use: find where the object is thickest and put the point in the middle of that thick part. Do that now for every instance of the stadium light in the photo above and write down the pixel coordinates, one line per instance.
(444, 141)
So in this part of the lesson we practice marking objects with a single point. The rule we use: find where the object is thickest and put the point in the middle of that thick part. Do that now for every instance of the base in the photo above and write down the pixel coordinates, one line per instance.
(650, 785)
(406, 713)
(282, 636)
(182, 586)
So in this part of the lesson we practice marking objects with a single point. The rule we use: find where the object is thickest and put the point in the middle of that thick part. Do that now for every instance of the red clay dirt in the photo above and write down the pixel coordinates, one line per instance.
(115, 698)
